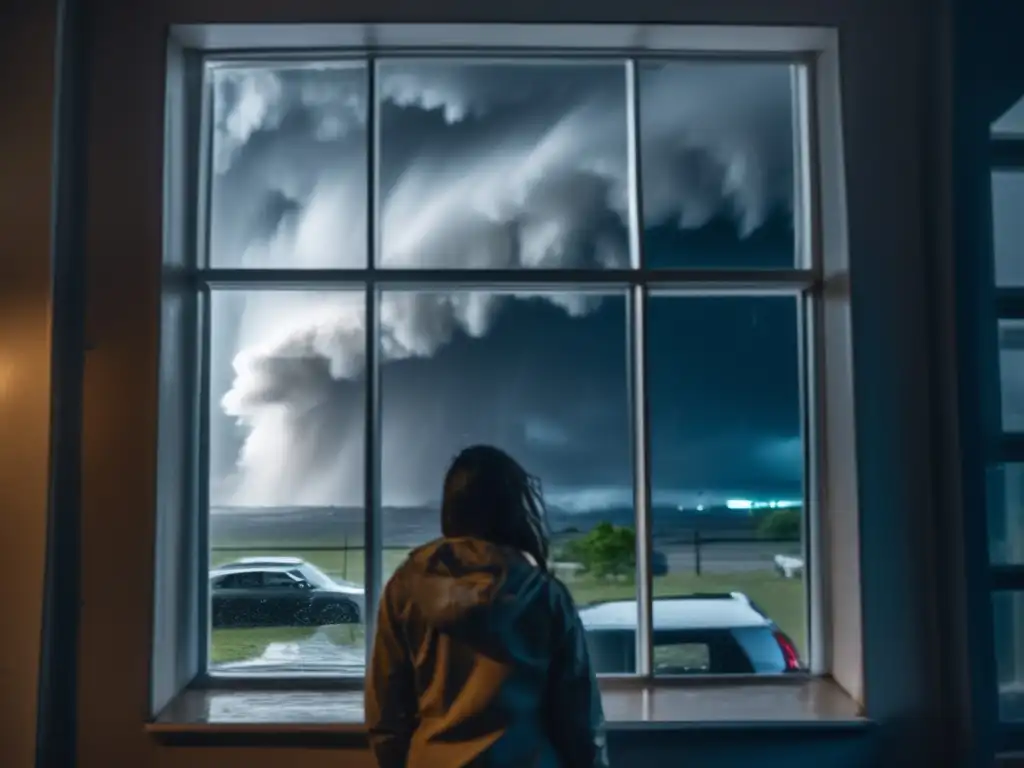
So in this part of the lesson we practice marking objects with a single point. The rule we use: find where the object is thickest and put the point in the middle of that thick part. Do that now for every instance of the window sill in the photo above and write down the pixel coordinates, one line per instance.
(252, 716)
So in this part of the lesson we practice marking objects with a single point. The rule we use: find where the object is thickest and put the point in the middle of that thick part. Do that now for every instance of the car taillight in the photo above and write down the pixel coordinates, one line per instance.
(789, 654)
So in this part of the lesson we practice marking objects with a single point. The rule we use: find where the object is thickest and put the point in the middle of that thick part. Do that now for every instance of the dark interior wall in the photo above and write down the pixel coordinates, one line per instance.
(720, 749)
(27, 33)
(998, 51)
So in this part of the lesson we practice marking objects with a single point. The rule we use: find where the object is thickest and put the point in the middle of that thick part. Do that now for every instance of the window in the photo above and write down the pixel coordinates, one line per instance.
(279, 580)
(603, 264)
(727, 452)
(1004, 482)
(686, 658)
(246, 580)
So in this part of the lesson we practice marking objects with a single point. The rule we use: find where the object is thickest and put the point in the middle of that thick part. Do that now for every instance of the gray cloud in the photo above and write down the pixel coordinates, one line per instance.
(543, 184)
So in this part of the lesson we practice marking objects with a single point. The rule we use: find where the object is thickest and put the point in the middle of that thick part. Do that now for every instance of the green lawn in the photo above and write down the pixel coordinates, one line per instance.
(782, 599)
(228, 645)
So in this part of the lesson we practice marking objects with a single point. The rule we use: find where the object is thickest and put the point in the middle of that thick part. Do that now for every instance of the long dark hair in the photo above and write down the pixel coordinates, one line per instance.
(488, 495)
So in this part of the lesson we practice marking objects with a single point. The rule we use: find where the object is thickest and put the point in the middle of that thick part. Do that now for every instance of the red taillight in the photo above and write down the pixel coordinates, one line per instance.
(789, 653)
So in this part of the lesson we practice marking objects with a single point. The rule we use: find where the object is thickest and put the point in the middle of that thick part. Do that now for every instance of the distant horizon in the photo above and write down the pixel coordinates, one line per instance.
(729, 507)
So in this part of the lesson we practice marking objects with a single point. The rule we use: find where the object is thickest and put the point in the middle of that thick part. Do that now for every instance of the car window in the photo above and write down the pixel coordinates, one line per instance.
(280, 579)
(682, 659)
(314, 575)
(761, 648)
(714, 651)
(244, 580)
(612, 652)
(676, 652)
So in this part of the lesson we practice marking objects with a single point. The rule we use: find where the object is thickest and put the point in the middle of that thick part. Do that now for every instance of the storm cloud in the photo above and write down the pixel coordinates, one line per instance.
(484, 166)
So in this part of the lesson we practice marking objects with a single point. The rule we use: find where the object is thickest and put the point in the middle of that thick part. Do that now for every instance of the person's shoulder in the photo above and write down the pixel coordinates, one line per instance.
(416, 556)
(560, 593)
(545, 586)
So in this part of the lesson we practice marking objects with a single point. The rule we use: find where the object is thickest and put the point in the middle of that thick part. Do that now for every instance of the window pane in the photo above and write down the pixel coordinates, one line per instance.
(1010, 125)
(1008, 227)
(1006, 514)
(503, 165)
(682, 658)
(727, 471)
(288, 183)
(1011, 373)
(286, 480)
(717, 147)
(542, 376)
(1008, 617)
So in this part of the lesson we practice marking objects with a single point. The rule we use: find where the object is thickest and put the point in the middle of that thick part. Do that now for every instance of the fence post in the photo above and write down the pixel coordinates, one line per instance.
(696, 551)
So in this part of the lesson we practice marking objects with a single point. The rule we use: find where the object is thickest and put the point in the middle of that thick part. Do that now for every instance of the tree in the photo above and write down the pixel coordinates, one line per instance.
(607, 551)
(784, 523)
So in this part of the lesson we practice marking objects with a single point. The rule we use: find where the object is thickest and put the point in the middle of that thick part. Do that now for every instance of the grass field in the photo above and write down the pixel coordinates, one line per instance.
(782, 599)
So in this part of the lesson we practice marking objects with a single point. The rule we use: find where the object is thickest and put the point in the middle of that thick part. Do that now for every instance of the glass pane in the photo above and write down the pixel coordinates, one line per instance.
(1011, 124)
(1006, 514)
(288, 183)
(682, 658)
(727, 463)
(286, 481)
(503, 165)
(1008, 618)
(1008, 227)
(542, 376)
(718, 160)
(1011, 373)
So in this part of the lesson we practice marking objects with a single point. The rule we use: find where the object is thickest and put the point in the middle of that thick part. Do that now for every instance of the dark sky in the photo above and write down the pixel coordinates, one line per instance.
(515, 167)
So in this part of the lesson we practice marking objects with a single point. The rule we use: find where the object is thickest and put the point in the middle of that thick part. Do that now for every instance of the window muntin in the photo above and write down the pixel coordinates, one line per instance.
(308, 511)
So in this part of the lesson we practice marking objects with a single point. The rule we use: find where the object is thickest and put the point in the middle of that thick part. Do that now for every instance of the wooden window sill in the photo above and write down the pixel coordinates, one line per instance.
(323, 716)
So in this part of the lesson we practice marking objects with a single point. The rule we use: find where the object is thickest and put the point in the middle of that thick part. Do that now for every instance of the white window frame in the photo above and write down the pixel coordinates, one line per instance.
(819, 277)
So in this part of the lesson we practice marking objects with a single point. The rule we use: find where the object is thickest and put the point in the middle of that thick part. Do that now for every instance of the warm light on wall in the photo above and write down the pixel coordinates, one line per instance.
(7, 372)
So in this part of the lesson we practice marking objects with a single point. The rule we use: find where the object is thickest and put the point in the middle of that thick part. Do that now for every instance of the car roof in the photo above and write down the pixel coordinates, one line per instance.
(259, 560)
(250, 568)
(730, 611)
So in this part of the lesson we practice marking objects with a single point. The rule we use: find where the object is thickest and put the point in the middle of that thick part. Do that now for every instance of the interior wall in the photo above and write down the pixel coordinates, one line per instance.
(27, 39)
(719, 749)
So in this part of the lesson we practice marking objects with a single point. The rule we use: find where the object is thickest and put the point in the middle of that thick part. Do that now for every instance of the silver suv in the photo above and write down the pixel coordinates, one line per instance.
(720, 634)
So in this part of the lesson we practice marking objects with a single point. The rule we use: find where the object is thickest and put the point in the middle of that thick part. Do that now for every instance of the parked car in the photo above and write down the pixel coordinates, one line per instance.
(721, 634)
(281, 592)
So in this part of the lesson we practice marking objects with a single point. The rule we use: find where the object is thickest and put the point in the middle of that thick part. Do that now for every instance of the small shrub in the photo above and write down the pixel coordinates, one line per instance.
(606, 552)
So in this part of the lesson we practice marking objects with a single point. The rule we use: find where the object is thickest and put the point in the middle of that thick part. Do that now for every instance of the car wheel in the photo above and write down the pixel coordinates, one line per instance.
(338, 613)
